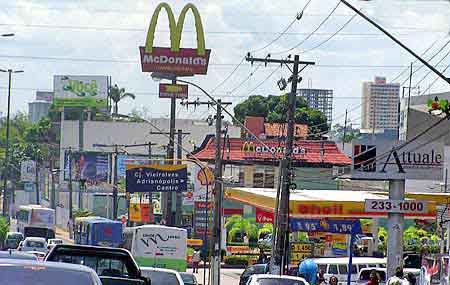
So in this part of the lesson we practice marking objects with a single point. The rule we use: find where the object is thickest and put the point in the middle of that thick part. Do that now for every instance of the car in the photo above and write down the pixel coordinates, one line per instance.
(364, 274)
(18, 272)
(189, 278)
(53, 241)
(12, 240)
(267, 279)
(112, 265)
(33, 244)
(251, 270)
(14, 254)
(162, 276)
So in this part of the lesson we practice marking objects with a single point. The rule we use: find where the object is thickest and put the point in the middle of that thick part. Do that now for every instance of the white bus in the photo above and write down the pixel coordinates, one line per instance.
(36, 221)
(157, 246)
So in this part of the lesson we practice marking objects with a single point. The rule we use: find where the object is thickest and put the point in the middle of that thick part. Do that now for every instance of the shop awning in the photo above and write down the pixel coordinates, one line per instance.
(324, 203)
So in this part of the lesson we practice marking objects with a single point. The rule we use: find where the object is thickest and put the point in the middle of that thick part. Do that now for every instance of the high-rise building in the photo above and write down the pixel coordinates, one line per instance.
(320, 99)
(380, 103)
(37, 110)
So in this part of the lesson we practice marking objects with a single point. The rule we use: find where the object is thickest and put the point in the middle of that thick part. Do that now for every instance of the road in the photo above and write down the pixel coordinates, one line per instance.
(227, 276)
(60, 233)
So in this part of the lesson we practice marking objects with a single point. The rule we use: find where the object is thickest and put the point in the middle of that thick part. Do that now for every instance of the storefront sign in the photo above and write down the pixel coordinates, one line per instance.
(156, 178)
(203, 218)
(263, 217)
(253, 148)
(175, 60)
(80, 91)
(325, 225)
(178, 91)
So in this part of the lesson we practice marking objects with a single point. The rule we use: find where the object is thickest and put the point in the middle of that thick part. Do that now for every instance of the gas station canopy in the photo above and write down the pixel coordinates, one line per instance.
(330, 203)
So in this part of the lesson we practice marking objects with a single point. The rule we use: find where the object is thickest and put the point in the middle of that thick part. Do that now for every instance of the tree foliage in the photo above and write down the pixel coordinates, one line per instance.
(117, 94)
(4, 227)
(274, 110)
(337, 132)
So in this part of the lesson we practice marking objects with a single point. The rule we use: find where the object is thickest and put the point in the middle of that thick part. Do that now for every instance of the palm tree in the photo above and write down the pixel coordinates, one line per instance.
(116, 94)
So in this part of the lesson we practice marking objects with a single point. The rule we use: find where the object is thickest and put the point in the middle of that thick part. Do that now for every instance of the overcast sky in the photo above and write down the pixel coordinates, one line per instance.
(102, 37)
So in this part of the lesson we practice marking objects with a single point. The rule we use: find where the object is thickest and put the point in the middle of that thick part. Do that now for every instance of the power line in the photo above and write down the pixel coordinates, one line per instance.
(434, 81)
(428, 73)
(307, 37)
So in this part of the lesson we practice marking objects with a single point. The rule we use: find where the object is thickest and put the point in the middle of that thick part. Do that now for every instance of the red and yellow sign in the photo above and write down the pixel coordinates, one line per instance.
(178, 91)
(175, 60)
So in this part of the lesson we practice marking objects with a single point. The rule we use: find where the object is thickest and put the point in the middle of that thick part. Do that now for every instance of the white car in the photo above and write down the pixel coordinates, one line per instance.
(33, 244)
(162, 276)
(55, 241)
(267, 279)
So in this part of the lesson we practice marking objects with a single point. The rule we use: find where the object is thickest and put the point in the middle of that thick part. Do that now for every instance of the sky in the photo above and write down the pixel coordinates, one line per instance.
(99, 37)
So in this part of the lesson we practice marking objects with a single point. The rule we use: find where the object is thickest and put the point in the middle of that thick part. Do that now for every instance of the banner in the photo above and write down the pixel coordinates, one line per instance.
(28, 171)
(80, 91)
(135, 212)
(175, 60)
(156, 178)
(325, 225)
(263, 217)
(91, 166)
(203, 181)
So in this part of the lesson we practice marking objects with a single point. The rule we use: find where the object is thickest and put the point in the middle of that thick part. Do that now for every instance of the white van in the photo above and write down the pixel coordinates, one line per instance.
(338, 266)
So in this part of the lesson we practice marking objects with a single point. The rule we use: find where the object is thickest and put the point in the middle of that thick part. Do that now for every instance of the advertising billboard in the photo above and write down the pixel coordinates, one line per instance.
(44, 96)
(79, 91)
(173, 59)
(91, 166)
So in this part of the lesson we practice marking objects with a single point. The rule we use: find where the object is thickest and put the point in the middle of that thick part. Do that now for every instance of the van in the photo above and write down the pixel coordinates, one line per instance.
(338, 266)
(364, 275)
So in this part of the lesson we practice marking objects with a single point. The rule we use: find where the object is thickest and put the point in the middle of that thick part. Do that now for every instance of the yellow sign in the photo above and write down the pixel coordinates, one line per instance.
(176, 28)
(194, 242)
(302, 247)
(135, 212)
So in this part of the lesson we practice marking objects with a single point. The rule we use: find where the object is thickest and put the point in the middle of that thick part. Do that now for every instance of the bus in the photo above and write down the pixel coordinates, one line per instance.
(97, 231)
(36, 221)
(157, 246)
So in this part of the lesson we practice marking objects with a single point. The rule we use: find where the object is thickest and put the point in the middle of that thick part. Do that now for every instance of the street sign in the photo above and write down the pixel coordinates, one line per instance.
(156, 178)
(28, 187)
(396, 206)
(325, 225)
(28, 171)
(177, 91)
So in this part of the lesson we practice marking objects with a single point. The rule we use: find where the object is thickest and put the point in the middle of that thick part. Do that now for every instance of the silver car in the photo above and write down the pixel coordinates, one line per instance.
(19, 272)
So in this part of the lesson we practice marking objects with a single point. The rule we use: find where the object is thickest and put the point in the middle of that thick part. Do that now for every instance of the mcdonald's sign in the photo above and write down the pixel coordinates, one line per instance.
(175, 60)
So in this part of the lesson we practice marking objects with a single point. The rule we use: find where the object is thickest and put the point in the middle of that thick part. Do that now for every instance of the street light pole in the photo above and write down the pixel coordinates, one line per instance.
(6, 171)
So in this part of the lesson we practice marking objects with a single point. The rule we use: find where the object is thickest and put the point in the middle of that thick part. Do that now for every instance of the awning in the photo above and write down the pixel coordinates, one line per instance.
(325, 203)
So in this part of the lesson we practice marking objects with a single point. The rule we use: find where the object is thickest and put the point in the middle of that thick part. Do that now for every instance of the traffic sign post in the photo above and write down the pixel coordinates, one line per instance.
(156, 178)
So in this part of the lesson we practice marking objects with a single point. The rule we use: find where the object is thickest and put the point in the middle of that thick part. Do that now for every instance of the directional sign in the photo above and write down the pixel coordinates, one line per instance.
(156, 178)
(396, 206)
(326, 225)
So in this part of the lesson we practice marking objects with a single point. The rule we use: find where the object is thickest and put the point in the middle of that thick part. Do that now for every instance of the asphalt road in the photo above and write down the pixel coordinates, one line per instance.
(228, 276)
(59, 232)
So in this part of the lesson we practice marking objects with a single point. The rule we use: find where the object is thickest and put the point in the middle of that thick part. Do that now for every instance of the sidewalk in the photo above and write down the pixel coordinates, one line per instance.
(63, 234)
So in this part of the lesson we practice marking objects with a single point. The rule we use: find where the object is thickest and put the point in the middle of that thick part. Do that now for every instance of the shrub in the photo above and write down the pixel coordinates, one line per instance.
(236, 260)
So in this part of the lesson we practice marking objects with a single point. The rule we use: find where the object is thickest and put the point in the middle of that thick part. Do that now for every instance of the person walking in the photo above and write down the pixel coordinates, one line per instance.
(373, 279)
(196, 258)
(398, 278)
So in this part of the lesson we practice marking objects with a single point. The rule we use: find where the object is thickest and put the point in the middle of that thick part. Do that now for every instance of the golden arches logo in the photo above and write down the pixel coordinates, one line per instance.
(176, 28)
(248, 147)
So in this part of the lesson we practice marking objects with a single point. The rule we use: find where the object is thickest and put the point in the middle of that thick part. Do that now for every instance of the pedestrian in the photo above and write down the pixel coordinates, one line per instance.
(262, 259)
(196, 258)
(70, 228)
(308, 269)
(411, 278)
(333, 280)
(398, 278)
(373, 279)
(321, 278)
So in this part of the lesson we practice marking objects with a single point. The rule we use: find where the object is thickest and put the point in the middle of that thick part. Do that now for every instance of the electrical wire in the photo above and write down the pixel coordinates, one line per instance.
(245, 79)
(434, 81)
(312, 33)
(332, 36)
(429, 72)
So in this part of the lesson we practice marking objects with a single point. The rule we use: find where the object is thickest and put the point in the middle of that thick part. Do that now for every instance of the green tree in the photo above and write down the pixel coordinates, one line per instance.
(4, 227)
(117, 94)
(337, 132)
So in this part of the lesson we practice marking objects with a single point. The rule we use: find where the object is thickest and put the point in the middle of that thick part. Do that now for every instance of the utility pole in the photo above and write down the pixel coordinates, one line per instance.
(179, 195)
(395, 228)
(166, 197)
(53, 188)
(81, 181)
(345, 130)
(282, 227)
(36, 180)
(69, 157)
(115, 182)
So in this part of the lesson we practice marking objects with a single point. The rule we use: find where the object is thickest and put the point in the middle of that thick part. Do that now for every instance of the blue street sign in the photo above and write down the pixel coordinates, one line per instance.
(326, 226)
(156, 178)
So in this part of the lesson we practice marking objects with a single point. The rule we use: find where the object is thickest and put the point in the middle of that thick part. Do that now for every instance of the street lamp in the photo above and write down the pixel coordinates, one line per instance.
(6, 171)
(7, 35)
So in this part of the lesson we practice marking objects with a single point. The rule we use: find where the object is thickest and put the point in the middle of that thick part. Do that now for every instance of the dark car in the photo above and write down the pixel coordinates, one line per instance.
(113, 265)
(12, 240)
(251, 270)
(188, 278)
(18, 272)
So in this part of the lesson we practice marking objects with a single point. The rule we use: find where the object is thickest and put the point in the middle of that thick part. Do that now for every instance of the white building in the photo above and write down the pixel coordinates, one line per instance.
(37, 110)
(380, 103)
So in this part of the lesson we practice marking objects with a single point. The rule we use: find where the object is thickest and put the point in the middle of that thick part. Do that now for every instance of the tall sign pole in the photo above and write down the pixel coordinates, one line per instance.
(395, 228)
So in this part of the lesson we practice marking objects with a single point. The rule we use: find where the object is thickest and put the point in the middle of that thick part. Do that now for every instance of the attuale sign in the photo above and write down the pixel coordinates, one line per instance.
(178, 91)
(175, 60)
(156, 178)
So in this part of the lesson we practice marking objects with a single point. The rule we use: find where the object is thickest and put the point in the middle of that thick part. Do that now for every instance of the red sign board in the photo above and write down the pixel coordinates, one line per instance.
(178, 91)
(146, 215)
(185, 62)
(263, 217)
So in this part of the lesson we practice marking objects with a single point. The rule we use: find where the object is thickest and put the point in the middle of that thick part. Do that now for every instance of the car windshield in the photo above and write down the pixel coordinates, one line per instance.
(161, 278)
(278, 281)
(103, 266)
(14, 236)
(33, 243)
(188, 278)
(41, 275)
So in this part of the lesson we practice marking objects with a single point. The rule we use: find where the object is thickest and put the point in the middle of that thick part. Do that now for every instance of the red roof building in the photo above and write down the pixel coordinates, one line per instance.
(306, 152)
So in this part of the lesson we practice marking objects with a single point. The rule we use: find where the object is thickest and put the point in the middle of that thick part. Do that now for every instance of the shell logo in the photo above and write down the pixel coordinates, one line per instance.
(206, 176)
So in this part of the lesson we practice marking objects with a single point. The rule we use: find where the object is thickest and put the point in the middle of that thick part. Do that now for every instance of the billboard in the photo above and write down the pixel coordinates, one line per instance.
(91, 166)
(156, 178)
(28, 171)
(178, 91)
(80, 91)
(203, 180)
(173, 59)
(44, 96)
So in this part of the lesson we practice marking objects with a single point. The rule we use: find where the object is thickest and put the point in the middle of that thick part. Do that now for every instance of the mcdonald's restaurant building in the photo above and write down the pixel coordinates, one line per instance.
(249, 163)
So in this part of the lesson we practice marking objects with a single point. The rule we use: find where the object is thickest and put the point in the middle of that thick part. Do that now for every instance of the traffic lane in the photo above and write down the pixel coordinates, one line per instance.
(59, 233)
(227, 275)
